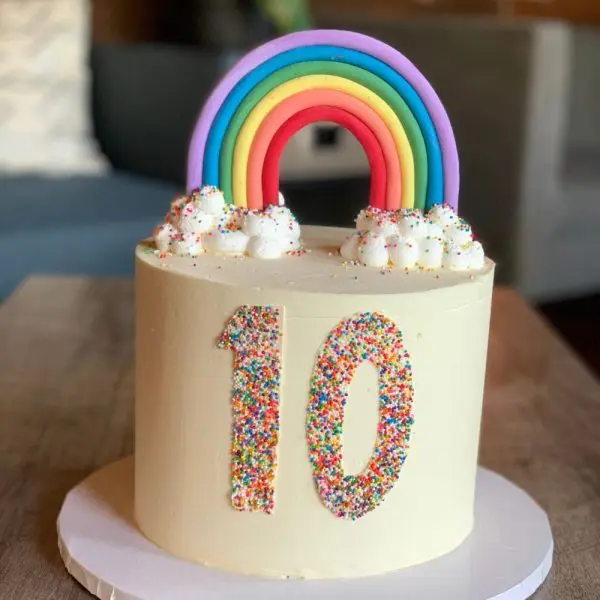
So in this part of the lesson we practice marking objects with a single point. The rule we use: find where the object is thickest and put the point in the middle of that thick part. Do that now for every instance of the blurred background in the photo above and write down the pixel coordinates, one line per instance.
(98, 99)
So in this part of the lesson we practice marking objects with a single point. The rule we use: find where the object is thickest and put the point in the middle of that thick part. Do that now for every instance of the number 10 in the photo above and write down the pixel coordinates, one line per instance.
(254, 334)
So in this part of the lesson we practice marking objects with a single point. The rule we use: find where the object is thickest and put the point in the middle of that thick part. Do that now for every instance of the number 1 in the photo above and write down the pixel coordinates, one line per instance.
(254, 335)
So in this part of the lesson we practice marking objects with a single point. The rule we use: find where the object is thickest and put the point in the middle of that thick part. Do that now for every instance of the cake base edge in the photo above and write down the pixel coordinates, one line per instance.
(507, 556)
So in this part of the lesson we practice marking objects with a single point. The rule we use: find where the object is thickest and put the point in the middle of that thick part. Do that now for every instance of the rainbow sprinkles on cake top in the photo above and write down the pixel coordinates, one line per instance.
(233, 204)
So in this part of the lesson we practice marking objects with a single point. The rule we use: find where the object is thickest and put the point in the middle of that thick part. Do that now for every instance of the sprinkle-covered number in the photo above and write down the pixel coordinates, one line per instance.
(375, 338)
(254, 335)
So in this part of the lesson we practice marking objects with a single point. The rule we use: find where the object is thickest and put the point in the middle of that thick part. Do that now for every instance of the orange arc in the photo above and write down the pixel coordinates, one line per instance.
(324, 97)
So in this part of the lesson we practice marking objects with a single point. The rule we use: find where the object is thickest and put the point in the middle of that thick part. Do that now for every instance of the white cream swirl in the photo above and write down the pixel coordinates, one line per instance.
(267, 248)
(378, 221)
(456, 258)
(413, 224)
(407, 239)
(164, 237)
(188, 244)
(372, 250)
(442, 214)
(194, 220)
(459, 233)
(431, 253)
(226, 241)
(259, 223)
(477, 256)
(210, 200)
(203, 221)
(404, 252)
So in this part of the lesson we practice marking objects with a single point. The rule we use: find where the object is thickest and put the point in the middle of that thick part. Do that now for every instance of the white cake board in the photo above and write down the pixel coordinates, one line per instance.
(507, 556)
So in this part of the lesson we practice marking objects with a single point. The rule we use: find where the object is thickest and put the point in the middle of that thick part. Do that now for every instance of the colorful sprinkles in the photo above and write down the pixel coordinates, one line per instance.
(254, 335)
(377, 339)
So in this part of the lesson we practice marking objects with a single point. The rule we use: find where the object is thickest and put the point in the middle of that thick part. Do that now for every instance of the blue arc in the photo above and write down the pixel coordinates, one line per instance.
(435, 185)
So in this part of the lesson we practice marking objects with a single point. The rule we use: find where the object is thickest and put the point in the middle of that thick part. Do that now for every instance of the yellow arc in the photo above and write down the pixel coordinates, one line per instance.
(251, 125)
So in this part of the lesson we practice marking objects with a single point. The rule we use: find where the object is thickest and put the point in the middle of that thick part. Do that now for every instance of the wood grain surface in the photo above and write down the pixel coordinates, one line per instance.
(66, 408)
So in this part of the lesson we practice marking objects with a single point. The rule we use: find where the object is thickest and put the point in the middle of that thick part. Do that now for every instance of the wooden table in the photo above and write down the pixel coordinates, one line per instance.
(66, 391)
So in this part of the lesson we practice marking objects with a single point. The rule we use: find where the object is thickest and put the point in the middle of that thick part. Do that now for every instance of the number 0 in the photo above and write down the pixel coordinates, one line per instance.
(372, 337)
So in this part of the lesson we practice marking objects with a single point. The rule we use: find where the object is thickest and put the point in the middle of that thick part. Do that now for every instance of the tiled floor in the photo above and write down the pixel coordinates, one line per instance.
(578, 321)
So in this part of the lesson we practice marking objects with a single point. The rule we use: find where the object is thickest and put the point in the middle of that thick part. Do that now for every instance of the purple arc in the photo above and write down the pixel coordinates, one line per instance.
(346, 39)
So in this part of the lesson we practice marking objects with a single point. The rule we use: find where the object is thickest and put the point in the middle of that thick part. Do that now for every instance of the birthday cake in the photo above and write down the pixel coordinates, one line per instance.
(308, 399)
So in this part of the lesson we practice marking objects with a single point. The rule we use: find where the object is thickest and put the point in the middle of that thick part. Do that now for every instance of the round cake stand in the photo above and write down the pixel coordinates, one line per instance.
(507, 556)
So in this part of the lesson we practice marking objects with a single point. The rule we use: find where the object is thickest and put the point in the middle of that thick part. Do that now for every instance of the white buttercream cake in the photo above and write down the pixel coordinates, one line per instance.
(308, 400)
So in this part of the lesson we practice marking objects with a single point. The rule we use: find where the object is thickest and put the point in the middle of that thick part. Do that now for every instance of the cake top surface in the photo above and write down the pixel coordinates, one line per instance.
(320, 269)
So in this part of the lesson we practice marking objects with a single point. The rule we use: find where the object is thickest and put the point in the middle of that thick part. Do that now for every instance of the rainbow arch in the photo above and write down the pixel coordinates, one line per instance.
(367, 85)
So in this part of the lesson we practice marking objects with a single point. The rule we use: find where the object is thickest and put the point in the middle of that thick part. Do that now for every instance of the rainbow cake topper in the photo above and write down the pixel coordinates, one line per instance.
(348, 78)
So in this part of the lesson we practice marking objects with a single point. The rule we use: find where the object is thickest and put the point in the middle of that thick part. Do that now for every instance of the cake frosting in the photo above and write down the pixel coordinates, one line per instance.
(407, 239)
(184, 418)
(203, 222)
(410, 239)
